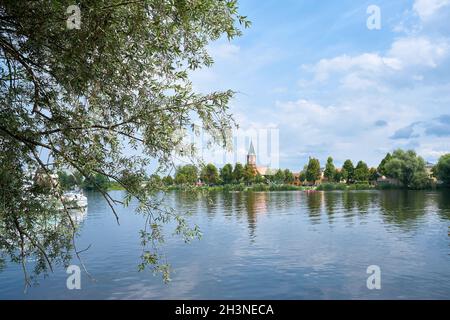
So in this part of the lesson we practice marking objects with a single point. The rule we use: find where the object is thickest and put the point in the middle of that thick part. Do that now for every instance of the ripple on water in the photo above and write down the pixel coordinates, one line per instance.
(281, 245)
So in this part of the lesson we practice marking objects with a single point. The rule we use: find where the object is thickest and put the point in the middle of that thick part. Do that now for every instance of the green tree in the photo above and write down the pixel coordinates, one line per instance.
(249, 174)
(408, 168)
(86, 96)
(96, 182)
(288, 177)
(373, 174)
(279, 177)
(338, 176)
(209, 174)
(168, 180)
(421, 180)
(190, 173)
(382, 166)
(226, 174)
(330, 170)
(180, 179)
(361, 172)
(313, 170)
(238, 173)
(259, 179)
(302, 174)
(442, 169)
(348, 171)
(66, 181)
(155, 179)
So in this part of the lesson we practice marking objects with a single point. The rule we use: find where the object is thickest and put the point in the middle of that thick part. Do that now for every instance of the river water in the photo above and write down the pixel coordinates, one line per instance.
(278, 245)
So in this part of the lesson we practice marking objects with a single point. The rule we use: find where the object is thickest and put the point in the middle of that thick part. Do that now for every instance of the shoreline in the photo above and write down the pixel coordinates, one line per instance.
(275, 188)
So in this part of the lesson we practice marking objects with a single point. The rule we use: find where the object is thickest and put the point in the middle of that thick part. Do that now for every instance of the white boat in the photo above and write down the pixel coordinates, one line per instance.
(75, 200)
(78, 215)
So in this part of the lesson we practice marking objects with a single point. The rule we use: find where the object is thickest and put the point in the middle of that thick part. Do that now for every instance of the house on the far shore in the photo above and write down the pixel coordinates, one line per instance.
(429, 169)
(298, 182)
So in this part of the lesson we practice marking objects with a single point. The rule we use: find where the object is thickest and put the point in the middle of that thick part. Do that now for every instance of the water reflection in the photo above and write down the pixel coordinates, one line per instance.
(443, 204)
(278, 245)
(256, 204)
(314, 202)
(403, 208)
(332, 200)
(398, 207)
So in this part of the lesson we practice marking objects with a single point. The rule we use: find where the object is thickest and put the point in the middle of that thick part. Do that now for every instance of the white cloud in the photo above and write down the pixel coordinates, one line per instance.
(427, 8)
(419, 51)
(395, 85)
(309, 128)
(346, 117)
(224, 50)
(354, 81)
(343, 96)
(432, 150)
(367, 62)
(368, 69)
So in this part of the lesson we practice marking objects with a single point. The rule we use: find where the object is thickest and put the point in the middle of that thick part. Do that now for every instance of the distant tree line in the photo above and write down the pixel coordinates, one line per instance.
(406, 167)
(442, 170)
(239, 174)
(69, 181)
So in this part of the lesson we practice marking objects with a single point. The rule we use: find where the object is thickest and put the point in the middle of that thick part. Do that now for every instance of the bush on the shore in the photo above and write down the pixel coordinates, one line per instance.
(260, 187)
(331, 187)
(360, 186)
(344, 187)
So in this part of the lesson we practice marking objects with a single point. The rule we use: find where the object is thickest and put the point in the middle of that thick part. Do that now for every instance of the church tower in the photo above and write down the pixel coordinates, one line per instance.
(251, 156)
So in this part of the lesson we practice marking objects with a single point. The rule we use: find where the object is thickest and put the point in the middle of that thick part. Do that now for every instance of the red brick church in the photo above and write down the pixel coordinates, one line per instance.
(251, 161)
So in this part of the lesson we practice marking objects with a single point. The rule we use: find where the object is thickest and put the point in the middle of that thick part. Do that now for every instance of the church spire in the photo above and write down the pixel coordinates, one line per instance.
(251, 156)
(251, 150)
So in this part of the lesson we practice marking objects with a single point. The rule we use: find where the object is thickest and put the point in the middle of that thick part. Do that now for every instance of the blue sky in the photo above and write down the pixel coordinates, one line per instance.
(313, 70)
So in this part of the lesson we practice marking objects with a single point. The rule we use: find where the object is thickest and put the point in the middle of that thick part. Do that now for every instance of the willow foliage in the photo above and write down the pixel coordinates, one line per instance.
(80, 99)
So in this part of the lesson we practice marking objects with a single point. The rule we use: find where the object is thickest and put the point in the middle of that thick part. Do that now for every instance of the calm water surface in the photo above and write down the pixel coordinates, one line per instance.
(281, 245)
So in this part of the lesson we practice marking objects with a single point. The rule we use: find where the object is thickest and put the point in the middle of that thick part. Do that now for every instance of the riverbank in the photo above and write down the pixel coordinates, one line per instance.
(274, 187)
(243, 188)
(278, 187)
(284, 187)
